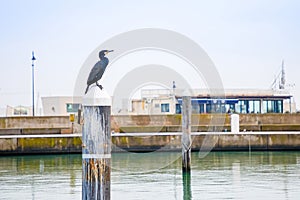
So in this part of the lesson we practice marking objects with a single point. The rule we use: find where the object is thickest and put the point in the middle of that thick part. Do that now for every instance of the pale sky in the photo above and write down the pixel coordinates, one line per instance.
(246, 40)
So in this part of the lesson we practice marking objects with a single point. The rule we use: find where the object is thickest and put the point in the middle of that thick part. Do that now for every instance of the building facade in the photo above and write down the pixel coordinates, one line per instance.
(164, 101)
(232, 101)
(60, 105)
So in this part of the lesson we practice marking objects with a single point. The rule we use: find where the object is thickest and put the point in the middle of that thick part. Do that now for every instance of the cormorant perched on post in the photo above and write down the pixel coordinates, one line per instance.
(98, 70)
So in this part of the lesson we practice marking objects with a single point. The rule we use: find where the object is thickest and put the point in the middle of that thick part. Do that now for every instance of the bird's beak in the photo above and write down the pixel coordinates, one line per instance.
(109, 51)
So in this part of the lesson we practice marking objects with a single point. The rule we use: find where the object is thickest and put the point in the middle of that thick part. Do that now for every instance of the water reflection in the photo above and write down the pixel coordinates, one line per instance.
(226, 159)
(40, 177)
(219, 175)
(186, 182)
(143, 162)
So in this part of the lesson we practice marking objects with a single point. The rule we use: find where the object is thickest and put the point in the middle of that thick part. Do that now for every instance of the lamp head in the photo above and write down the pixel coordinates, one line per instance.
(33, 58)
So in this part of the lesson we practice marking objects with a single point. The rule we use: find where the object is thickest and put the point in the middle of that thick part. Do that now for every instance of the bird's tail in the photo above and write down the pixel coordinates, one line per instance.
(86, 90)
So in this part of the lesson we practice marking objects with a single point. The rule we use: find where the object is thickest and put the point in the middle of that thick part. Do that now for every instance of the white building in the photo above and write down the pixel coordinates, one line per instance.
(60, 105)
(164, 101)
(18, 111)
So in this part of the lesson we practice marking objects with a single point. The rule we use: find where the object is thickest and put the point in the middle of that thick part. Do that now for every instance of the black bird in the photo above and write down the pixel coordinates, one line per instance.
(98, 70)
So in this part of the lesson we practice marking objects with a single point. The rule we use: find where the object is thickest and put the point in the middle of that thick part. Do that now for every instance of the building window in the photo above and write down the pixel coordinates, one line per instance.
(178, 108)
(242, 106)
(201, 108)
(72, 107)
(270, 106)
(254, 106)
(273, 106)
(223, 108)
(208, 108)
(231, 108)
(279, 106)
(165, 107)
(20, 111)
(195, 108)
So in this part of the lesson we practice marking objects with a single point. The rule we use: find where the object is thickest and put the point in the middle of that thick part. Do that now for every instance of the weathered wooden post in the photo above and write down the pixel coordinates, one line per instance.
(186, 134)
(187, 190)
(96, 145)
(186, 142)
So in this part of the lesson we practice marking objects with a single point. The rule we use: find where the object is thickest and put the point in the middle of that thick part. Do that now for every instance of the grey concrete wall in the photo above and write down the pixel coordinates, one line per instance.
(71, 143)
(202, 122)
(37, 125)
(217, 142)
(34, 122)
(39, 145)
(151, 123)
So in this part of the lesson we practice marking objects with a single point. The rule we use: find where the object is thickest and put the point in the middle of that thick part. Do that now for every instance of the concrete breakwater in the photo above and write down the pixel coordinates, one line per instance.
(152, 132)
(202, 122)
(145, 142)
(149, 123)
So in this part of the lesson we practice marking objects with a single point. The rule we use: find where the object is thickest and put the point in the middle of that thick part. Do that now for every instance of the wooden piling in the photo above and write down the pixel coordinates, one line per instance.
(186, 183)
(186, 134)
(96, 145)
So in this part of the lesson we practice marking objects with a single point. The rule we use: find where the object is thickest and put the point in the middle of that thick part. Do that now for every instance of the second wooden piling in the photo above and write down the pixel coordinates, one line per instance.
(186, 134)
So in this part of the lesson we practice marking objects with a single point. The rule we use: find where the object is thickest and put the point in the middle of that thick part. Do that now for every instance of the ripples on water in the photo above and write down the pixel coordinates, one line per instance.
(220, 175)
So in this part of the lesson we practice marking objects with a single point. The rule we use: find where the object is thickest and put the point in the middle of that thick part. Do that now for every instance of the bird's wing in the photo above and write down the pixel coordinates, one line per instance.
(96, 72)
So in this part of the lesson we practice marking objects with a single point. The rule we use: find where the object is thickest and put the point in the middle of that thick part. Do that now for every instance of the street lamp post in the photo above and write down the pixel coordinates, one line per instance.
(33, 59)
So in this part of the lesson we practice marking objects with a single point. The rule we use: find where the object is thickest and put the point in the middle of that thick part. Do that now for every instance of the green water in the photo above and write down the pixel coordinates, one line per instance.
(219, 175)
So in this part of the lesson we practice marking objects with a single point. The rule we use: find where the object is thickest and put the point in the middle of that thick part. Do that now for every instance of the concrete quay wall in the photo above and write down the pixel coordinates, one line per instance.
(210, 141)
(40, 144)
(145, 142)
(37, 125)
(34, 122)
(150, 123)
(204, 122)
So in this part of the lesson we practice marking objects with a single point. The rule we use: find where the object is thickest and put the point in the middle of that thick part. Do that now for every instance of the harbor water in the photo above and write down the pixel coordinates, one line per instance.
(217, 175)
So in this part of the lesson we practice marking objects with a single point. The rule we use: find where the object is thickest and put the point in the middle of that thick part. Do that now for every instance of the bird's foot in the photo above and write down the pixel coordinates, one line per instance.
(100, 86)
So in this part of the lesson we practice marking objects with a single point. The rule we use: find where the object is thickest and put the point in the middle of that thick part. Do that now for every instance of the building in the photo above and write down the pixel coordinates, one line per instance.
(166, 101)
(11, 111)
(60, 105)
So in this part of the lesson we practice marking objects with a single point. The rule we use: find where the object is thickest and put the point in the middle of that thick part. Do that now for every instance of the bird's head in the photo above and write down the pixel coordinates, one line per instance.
(104, 52)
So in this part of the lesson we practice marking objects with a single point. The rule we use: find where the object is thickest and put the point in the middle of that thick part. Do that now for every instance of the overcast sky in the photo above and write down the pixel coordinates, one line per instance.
(247, 40)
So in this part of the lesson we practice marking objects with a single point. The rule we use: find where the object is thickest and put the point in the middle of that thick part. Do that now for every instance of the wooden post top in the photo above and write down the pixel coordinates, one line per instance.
(96, 97)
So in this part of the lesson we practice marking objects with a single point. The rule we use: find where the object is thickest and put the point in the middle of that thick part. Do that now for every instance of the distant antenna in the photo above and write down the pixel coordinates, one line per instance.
(279, 81)
(282, 79)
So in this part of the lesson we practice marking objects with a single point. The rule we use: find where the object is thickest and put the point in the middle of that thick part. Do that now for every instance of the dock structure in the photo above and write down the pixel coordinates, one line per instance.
(96, 145)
